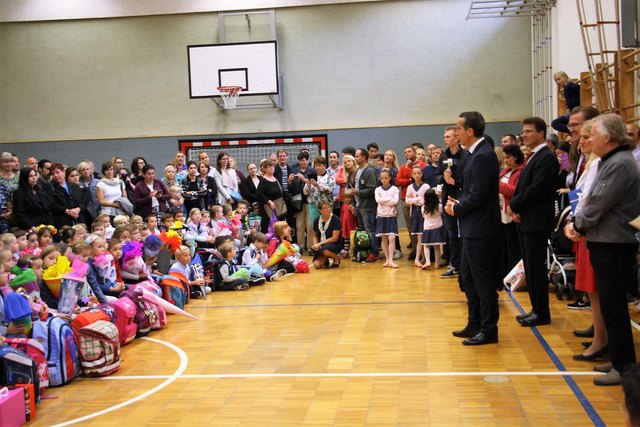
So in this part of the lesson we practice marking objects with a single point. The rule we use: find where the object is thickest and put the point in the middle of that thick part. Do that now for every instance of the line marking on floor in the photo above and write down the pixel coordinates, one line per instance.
(184, 362)
(582, 398)
(354, 375)
(329, 304)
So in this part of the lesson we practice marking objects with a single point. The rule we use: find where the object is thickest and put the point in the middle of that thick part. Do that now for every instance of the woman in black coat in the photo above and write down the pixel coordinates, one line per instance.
(30, 204)
(67, 206)
(249, 185)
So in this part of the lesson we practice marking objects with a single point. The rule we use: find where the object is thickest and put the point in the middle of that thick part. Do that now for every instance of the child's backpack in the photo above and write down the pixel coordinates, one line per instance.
(16, 367)
(99, 349)
(208, 254)
(361, 245)
(145, 312)
(160, 317)
(36, 351)
(86, 318)
(125, 314)
(240, 254)
(62, 352)
(160, 313)
(175, 288)
(108, 309)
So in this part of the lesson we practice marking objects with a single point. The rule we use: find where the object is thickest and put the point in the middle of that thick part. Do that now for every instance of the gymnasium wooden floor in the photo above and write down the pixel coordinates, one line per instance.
(360, 345)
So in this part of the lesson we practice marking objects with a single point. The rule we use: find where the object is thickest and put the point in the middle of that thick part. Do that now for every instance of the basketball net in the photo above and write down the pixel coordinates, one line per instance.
(229, 95)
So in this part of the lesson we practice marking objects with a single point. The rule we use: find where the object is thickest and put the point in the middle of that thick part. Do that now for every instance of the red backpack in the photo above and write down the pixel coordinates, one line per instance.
(86, 318)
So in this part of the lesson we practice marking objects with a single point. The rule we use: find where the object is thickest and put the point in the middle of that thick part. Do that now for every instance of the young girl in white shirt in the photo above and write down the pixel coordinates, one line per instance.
(387, 197)
(433, 231)
(415, 200)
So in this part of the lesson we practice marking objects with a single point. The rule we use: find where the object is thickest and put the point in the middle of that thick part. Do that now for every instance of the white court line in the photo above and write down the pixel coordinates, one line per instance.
(184, 361)
(358, 375)
(635, 325)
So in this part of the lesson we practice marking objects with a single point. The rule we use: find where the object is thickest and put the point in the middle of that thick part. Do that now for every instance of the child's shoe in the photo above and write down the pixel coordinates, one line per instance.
(278, 275)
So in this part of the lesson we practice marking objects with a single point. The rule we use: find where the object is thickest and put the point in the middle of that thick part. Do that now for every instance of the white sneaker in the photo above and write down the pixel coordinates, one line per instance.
(207, 289)
(397, 254)
(278, 275)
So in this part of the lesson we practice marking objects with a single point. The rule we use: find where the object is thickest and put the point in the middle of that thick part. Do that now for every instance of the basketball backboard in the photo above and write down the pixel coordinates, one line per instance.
(251, 65)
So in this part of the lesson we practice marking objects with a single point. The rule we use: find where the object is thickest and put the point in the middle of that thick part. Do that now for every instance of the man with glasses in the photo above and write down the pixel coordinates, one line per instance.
(532, 208)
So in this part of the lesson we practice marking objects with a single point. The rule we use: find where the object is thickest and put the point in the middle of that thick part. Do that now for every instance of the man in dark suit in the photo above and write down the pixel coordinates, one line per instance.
(478, 213)
(532, 206)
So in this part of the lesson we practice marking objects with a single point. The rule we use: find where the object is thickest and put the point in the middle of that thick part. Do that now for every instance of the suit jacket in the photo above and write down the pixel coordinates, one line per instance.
(249, 191)
(478, 209)
(536, 191)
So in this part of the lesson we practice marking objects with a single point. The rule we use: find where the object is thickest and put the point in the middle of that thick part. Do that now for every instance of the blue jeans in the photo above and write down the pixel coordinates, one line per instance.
(367, 220)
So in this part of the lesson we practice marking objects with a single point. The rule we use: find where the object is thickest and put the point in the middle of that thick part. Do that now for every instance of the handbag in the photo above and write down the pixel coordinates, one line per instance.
(296, 203)
(235, 195)
(281, 207)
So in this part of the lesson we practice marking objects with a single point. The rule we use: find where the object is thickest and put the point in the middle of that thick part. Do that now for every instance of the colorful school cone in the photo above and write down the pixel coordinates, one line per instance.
(279, 254)
(52, 276)
(70, 289)
(168, 307)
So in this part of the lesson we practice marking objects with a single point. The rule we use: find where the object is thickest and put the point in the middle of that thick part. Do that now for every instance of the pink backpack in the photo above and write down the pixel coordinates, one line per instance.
(160, 314)
(125, 314)
(161, 317)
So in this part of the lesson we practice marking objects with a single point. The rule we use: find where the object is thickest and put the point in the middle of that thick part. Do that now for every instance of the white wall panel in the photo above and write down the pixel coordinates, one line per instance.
(343, 66)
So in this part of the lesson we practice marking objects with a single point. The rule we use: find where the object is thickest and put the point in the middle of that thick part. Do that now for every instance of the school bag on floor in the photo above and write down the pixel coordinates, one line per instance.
(86, 318)
(361, 245)
(36, 351)
(125, 310)
(61, 348)
(109, 310)
(175, 288)
(160, 317)
(99, 349)
(16, 367)
(145, 313)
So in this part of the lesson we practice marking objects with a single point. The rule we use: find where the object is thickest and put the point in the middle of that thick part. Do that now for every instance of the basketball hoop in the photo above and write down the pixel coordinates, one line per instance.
(229, 95)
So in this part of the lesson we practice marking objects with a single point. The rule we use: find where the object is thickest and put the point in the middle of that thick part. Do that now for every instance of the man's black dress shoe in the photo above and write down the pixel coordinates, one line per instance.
(584, 333)
(481, 338)
(467, 332)
(534, 320)
(597, 355)
(522, 316)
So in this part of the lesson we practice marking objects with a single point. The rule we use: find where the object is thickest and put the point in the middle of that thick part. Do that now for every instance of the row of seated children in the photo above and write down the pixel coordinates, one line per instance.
(124, 258)
(203, 227)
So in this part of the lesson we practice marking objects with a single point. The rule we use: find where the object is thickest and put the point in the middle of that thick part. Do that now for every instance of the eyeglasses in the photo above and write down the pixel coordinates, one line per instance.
(573, 125)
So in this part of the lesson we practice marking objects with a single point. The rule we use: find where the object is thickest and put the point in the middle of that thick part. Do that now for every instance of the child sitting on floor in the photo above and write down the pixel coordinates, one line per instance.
(183, 258)
(225, 269)
(256, 255)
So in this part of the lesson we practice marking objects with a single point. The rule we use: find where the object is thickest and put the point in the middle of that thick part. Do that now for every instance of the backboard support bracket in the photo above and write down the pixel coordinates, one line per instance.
(271, 101)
